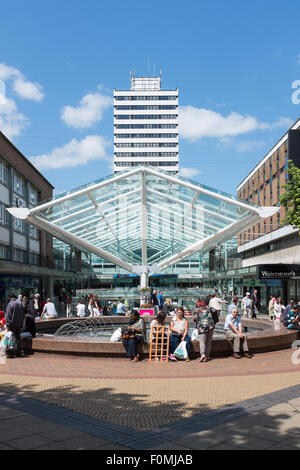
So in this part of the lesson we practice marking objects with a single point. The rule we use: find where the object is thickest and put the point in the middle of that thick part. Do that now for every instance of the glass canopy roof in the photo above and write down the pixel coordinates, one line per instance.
(143, 217)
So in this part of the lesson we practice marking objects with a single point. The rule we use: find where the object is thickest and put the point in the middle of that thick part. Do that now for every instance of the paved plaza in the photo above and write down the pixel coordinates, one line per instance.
(67, 402)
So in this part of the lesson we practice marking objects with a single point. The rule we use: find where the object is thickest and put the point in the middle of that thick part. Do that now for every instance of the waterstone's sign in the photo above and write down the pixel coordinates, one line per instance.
(278, 271)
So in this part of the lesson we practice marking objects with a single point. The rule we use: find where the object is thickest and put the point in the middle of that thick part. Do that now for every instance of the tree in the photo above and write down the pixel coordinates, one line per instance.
(290, 199)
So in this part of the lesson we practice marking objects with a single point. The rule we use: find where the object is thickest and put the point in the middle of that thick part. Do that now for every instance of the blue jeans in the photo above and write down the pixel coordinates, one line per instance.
(130, 345)
(175, 340)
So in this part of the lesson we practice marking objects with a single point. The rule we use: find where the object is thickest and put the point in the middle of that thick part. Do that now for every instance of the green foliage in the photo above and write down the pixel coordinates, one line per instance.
(290, 199)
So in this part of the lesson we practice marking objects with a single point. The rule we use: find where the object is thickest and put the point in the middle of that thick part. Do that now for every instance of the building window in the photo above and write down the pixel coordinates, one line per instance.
(4, 215)
(147, 106)
(33, 232)
(146, 126)
(146, 154)
(4, 252)
(34, 259)
(19, 255)
(19, 225)
(3, 173)
(146, 163)
(146, 98)
(146, 116)
(33, 197)
(19, 185)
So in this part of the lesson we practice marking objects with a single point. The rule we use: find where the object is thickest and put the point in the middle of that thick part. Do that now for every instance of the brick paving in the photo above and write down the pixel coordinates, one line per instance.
(65, 402)
(62, 366)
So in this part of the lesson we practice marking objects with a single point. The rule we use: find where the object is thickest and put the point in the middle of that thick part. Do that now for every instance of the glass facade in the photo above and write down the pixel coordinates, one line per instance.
(146, 217)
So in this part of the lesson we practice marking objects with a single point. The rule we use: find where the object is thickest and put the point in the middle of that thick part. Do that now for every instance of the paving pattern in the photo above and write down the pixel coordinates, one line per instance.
(56, 402)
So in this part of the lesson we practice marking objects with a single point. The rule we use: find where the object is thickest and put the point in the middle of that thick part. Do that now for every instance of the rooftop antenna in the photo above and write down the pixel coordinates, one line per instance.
(154, 70)
(148, 67)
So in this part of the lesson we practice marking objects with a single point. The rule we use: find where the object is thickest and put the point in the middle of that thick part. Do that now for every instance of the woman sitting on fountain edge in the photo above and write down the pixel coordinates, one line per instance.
(137, 326)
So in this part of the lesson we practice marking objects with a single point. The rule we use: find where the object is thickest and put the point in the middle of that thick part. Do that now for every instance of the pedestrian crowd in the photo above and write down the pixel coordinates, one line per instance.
(18, 321)
(206, 316)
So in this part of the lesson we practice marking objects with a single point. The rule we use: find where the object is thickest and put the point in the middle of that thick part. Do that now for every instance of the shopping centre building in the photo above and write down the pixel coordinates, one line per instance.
(145, 225)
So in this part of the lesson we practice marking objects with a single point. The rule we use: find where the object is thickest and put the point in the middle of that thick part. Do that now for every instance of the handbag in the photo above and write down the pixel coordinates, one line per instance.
(214, 315)
(127, 334)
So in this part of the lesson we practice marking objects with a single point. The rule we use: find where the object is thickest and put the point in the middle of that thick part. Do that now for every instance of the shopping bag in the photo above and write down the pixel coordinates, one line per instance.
(116, 336)
(277, 324)
(9, 341)
(195, 335)
(180, 351)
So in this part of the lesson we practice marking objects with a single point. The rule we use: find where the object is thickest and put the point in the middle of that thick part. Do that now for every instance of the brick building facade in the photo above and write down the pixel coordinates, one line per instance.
(271, 242)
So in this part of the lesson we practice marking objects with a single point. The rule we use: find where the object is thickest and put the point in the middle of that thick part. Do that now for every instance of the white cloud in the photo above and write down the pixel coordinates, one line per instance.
(28, 90)
(7, 72)
(11, 121)
(74, 153)
(249, 146)
(89, 111)
(189, 172)
(195, 123)
(22, 87)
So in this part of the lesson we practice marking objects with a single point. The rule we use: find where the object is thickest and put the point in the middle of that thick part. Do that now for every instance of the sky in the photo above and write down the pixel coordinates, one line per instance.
(236, 65)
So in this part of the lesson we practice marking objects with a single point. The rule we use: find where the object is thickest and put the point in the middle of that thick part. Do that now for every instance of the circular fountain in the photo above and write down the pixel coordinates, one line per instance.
(91, 336)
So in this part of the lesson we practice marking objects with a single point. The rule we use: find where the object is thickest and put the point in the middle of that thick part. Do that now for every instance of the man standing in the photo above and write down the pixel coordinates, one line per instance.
(234, 304)
(255, 303)
(160, 301)
(154, 300)
(14, 319)
(247, 305)
(233, 332)
(34, 305)
(121, 308)
(216, 303)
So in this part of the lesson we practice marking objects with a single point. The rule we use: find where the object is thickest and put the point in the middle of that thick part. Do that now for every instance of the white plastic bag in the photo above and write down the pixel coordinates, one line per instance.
(9, 341)
(277, 324)
(195, 335)
(180, 351)
(116, 336)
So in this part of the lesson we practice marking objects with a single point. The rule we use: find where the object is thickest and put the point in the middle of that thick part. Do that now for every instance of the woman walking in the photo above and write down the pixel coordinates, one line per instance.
(205, 325)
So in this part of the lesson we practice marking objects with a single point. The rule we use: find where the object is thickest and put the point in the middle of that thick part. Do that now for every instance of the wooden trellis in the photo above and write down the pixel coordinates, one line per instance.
(159, 344)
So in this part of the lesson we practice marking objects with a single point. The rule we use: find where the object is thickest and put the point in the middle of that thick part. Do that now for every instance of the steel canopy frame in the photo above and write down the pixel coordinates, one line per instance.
(110, 218)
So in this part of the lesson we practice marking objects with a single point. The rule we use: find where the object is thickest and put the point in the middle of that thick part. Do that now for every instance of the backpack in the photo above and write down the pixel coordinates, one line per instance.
(205, 322)
(214, 314)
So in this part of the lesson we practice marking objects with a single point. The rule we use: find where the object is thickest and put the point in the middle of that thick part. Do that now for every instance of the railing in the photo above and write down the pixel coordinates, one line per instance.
(134, 293)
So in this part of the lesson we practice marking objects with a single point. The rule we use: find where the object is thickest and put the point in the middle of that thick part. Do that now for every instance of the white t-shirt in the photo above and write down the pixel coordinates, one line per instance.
(215, 303)
(50, 310)
(80, 310)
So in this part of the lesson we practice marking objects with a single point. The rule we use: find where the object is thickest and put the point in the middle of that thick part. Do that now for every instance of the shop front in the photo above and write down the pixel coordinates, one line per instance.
(282, 279)
(15, 284)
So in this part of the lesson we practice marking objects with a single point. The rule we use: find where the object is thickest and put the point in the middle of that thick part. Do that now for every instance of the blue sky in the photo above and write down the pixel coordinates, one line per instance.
(234, 64)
